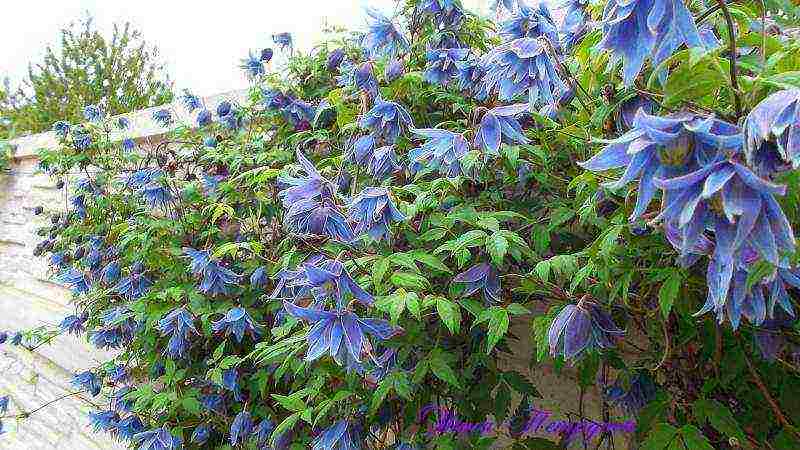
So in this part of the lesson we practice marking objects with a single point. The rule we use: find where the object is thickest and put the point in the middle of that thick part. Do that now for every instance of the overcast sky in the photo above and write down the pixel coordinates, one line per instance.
(201, 41)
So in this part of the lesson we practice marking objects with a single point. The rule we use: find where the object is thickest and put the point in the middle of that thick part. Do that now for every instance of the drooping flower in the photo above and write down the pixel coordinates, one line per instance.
(325, 278)
(93, 113)
(283, 40)
(133, 286)
(335, 58)
(372, 211)
(341, 436)
(663, 147)
(386, 120)
(383, 38)
(529, 22)
(500, 125)
(241, 427)
(120, 401)
(523, 66)
(190, 101)
(259, 277)
(162, 117)
(263, 431)
(470, 78)
(363, 78)
(216, 279)
(88, 381)
(213, 403)
(103, 420)
(319, 219)
(253, 66)
(772, 129)
(76, 280)
(111, 272)
(201, 434)
(81, 138)
(204, 118)
(157, 439)
(230, 381)
(442, 152)
(582, 327)
(312, 186)
(640, 29)
(72, 324)
(573, 26)
(126, 428)
(633, 393)
(179, 325)
(446, 14)
(483, 277)
(237, 322)
(442, 65)
(340, 333)
(128, 144)
(394, 70)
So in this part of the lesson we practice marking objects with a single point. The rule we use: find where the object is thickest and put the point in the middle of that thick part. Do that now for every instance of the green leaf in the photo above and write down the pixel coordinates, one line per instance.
(287, 424)
(291, 402)
(449, 313)
(434, 234)
(669, 292)
(660, 437)
(379, 271)
(430, 261)
(497, 246)
(441, 369)
(498, 326)
(409, 280)
(694, 439)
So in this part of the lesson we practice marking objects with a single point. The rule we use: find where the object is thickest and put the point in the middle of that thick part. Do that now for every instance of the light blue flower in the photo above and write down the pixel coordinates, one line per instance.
(190, 101)
(523, 67)
(372, 211)
(253, 66)
(216, 279)
(529, 22)
(237, 322)
(442, 152)
(442, 63)
(580, 328)
(500, 125)
(162, 117)
(386, 120)
(93, 113)
(772, 132)
(383, 38)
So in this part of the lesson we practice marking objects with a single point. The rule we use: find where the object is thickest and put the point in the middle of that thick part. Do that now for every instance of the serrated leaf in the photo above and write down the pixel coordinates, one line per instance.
(379, 270)
(660, 437)
(430, 261)
(669, 292)
(449, 313)
(497, 246)
(409, 281)
(442, 370)
(291, 402)
(498, 326)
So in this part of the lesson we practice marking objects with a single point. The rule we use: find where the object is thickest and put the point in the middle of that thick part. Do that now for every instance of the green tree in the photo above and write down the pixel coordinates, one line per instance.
(121, 74)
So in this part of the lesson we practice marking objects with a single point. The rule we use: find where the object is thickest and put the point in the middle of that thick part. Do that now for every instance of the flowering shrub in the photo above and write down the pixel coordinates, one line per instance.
(315, 267)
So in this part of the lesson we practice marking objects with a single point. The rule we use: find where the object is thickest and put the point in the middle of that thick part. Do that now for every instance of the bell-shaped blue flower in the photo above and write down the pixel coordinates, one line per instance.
(263, 431)
(93, 113)
(772, 132)
(126, 428)
(88, 381)
(237, 322)
(230, 381)
(363, 78)
(252, 66)
(500, 125)
(259, 277)
(213, 402)
(470, 78)
(573, 26)
(394, 69)
(483, 277)
(324, 279)
(72, 324)
(216, 279)
(283, 40)
(383, 38)
(372, 211)
(241, 427)
(580, 328)
(76, 280)
(111, 272)
(190, 101)
(179, 325)
(335, 58)
(163, 117)
(201, 434)
(530, 22)
(103, 420)
(157, 439)
(386, 120)
(341, 436)
(447, 14)
(442, 64)
(133, 286)
(442, 152)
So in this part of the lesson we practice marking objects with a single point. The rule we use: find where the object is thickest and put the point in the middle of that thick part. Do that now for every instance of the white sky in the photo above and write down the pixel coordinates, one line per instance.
(201, 41)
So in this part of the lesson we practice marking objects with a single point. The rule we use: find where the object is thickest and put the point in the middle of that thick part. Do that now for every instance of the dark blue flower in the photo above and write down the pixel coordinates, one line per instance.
(76, 280)
(394, 70)
(162, 117)
(335, 58)
(201, 434)
(340, 333)
(470, 78)
(117, 374)
(190, 101)
(259, 277)
(81, 138)
(125, 429)
(383, 38)
(363, 78)
(481, 276)
(103, 420)
(372, 211)
(442, 64)
(341, 436)
(319, 219)
(773, 127)
(663, 147)
(3, 404)
(253, 66)
(386, 120)
(632, 394)
(213, 403)
(88, 381)
(312, 186)
(157, 439)
(446, 13)
(61, 128)
(123, 123)
(230, 381)
(72, 324)
(582, 327)
(637, 29)
(3, 337)
(266, 55)
(204, 118)
(523, 67)
(93, 113)
(529, 22)
(133, 286)
(128, 144)
(241, 427)
(442, 152)
(179, 325)
(263, 431)
(111, 272)
(325, 279)
(216, 279)
(500, 125)
(283, 40)
(238, 323)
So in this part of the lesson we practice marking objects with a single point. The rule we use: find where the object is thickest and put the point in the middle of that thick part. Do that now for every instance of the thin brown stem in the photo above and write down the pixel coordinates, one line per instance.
(772, 403)
(737, 102)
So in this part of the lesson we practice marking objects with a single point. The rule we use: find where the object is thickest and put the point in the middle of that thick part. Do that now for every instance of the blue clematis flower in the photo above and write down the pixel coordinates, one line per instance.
(230, 381)
(325, 278)
(93, 113)
(123, 123)
(241, 427)
(3, 404)
(179, 325)
(372, 211)
(638, 29)
(201, 434)
(573, 26)
(72, 324)
(157, 439)
(88, 381)
(335, 58)
(117, 374)
(470, 78)
(204, 118)
(190, 101)
(529, 22)
(266, 55)
(481, 276)
(111, 272)
(394, 70)
(162, 117)
(581, 327)
(383, 38)
(663, 147)
(386, 120)
(442, 152)
(133, 286)
(61, 128)
(523, 66)
(213, 403)
(125, 429)
(341, 436)
(313, 186)
(76, 280)
(633, 393)
(253, 66)
(259, 277)
(283, 40)
(128, 144)
(103, 420)
(238, 323)
(447, 14)
(3, 337)
(442, 65)
(772, 132)
(363, 78)
(316, 218)
(500, 125)
(263, 431)
(216, 278)
(380, 162)
(81, 138)
(340, 333)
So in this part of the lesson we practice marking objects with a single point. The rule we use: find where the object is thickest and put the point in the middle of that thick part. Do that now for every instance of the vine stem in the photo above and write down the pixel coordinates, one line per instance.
(26, 414)
(667, 345)
(772, 403)
(737, 102)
